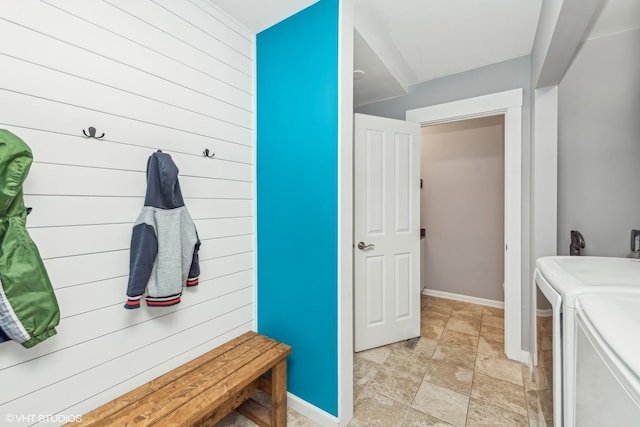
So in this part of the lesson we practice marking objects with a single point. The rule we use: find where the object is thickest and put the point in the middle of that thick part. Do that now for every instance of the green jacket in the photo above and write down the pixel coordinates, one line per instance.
(28, 307)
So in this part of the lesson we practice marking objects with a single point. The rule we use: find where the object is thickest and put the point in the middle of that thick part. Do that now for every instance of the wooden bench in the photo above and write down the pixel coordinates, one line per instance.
(204, 390)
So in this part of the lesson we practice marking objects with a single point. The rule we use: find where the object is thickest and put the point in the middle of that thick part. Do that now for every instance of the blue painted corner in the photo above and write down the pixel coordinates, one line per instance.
(297, 197)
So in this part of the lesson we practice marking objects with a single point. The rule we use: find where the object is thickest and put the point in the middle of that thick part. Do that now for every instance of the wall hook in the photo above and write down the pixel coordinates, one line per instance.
(92, 133)
(206, 153)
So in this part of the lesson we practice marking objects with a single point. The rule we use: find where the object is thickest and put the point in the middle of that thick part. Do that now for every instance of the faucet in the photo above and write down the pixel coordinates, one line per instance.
(577, 243)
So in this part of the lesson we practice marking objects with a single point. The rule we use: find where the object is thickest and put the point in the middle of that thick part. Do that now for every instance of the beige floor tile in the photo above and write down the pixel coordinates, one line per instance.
(395, 384)
(440, 302)
(493, 321)
(544, 325)
(473, 316)
(534, 410)
(466, 325)
(455, 355)
(263, 398)
(364, 371)
(411, 360)
(442, 403)
(429, 308)
(375, 410)
(545, 397)
(296, 419)
(493, 311)
(234, 419)
(540, 407)
(423, 349)
(466, 307)
(482, 414)
(491, 332)
(499, 367)
(377, 355)
(545, 358)
(446, 374)
(415, 418)
(457, 348)
(499, 393)
(544, 379)
(457, 374)
(432, 325)
(429, 329)
(429, 314)
(410, 363)
(491, 347)
(357, 389)
(545, 342)
(461, 340)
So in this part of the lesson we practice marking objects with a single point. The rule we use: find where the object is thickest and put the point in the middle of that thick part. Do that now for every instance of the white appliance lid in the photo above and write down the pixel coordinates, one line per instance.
(569, 275)
(616, 319)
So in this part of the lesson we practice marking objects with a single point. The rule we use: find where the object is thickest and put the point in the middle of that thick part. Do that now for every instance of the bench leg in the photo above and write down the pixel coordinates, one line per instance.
(279, 394)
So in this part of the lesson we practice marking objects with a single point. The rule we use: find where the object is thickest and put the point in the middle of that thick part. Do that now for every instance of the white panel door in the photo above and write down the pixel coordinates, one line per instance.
(386, 231)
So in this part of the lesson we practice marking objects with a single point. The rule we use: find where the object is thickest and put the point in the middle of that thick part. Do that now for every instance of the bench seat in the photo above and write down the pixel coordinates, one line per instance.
(203, 391)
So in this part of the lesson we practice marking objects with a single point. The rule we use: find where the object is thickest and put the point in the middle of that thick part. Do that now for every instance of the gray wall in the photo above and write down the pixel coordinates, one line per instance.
(462, 207)
(512, 74)
(599, 145)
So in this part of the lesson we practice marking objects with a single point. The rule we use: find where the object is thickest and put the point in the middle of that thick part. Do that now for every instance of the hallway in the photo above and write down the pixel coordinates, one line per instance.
(457, 374)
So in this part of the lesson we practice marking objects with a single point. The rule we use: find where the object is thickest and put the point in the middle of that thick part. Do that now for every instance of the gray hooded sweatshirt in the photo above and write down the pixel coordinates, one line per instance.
(164, 242)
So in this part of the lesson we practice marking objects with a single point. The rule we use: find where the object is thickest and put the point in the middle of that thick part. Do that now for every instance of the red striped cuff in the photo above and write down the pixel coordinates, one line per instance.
(192, 281)
(132, 302)
(163, 301)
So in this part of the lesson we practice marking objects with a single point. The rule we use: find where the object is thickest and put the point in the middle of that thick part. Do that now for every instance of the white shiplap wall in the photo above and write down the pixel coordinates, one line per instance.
(176, 75)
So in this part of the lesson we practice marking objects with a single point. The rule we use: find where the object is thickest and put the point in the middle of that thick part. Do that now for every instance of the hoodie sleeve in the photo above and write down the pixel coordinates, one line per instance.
(194, 271)
(144, 249)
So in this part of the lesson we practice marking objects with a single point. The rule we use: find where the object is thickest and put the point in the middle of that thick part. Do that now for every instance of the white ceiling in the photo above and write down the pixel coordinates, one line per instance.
(400, 43)
(258, 15)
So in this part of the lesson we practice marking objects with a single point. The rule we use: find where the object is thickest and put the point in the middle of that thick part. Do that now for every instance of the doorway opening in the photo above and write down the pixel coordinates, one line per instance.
(508, 104)
(462, 210)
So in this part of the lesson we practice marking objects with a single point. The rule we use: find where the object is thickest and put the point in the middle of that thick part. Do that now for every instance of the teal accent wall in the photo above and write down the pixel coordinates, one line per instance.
(297, 197)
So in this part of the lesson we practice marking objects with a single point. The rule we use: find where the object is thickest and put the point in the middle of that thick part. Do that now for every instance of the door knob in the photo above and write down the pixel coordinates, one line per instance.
(362, 246)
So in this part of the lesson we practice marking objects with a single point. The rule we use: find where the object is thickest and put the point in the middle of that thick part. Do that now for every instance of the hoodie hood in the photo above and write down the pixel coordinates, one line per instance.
(15, 162)
(163, 188)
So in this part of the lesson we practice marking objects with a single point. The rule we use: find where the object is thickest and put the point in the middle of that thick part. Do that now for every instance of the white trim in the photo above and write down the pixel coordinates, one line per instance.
(345, 214)
(310, 411)
(254, 121)
(463, 298)
(480, 106)
(508, 103)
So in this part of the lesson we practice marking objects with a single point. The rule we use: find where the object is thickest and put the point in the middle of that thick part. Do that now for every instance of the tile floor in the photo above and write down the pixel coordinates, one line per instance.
(456, 375)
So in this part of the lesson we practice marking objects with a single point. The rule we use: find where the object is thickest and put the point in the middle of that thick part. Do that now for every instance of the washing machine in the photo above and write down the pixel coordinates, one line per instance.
(608, 360)
(562, 279)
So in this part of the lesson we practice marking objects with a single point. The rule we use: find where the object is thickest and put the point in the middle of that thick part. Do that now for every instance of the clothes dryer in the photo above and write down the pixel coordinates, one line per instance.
(562, 279)
(607, 362)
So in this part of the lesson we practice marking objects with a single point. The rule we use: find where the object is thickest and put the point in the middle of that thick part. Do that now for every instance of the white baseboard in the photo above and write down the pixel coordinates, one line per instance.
(312, 412)
(464, 298)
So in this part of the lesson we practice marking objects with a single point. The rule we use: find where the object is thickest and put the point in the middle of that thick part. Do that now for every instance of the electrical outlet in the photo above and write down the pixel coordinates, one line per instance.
(635, 240)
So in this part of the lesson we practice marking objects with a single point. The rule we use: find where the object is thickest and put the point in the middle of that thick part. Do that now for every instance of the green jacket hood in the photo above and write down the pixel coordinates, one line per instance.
(15, 162)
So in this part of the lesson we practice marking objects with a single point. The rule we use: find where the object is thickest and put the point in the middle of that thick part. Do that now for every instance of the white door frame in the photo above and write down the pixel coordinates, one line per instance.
(508, 103)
